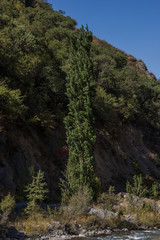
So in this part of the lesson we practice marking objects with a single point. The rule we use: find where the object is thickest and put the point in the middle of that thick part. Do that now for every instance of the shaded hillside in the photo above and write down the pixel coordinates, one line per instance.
(132, 149)
(34, 61)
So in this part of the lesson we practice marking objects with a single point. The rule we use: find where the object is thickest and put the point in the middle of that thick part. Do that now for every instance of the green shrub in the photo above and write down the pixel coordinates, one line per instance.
(11, 102)
(6, 206)
(65, 190)
(108, 200)
(7, 203)
(79, 202)
(154, 192)
(111, 190)
(54, 213)
(137, 186)
(96, 187)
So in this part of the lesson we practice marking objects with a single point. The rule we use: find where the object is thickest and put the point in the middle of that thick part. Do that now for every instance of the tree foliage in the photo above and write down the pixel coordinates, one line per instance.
(6, 206)
(138, 187)
(80, 120)
(11, 102)
(37, 190)
(29, 59)
(34, 62)
(7, 203)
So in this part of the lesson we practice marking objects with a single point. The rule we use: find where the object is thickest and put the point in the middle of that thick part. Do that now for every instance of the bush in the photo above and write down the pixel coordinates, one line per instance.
(65, 190)
(7, 203)
(6, 206)
(108, 200)
(154, 192)
(79, 202)
(137, 187)
(11, 102)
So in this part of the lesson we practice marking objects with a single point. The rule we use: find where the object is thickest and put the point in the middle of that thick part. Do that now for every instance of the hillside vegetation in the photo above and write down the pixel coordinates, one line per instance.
(35, 46)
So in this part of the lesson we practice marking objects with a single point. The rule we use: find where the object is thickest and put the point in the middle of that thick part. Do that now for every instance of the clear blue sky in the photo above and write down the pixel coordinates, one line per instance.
(130, 25)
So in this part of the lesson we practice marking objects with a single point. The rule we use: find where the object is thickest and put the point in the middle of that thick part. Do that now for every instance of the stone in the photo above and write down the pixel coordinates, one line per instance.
(83, 231)
(125, 229)
(128, 218)
(98, 212)
(81, 235)
(101, 213)
(100, 232)
(57, 225)
(108, 231)
(49, 227)
(91, 233)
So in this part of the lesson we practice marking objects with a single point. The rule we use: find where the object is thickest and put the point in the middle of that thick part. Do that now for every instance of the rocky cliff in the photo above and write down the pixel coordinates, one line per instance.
(118, 155)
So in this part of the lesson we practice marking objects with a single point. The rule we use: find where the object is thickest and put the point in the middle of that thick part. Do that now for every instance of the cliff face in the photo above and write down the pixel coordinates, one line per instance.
(22, 148)
(132, 150)
(118, 156)
(140, 66)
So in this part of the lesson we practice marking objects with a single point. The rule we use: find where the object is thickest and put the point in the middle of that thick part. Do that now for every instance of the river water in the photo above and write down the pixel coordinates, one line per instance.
(141, 235)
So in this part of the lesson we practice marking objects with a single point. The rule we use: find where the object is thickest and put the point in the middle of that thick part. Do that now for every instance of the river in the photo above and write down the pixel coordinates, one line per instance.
(141, 235)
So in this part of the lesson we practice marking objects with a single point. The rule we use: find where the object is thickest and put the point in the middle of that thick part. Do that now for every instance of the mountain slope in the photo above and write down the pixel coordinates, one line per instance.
(34, 60)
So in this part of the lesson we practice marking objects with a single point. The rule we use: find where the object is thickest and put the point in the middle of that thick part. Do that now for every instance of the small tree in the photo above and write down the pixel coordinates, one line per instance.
(6, 206)
(37, 190)
(137, 187)
(79, 202)
(154, 192)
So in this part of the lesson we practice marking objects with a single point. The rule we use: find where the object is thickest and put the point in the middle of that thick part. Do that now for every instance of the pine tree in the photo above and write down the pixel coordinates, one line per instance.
(80, 121)
(37, 190)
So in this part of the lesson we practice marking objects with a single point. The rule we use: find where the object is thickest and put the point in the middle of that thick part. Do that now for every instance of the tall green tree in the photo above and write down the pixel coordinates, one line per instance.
(80, 121)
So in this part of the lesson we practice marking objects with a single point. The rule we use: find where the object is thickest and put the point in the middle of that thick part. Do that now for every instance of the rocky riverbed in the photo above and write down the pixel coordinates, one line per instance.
(10, 233)
(94, 222)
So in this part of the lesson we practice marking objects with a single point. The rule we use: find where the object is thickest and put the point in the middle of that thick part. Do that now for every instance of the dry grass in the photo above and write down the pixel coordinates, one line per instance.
(151, 219)
(31, 227)
(88, 220)
(142, 211)
(38, 221)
